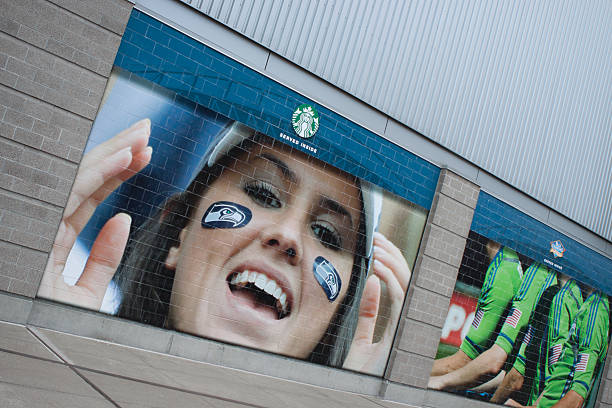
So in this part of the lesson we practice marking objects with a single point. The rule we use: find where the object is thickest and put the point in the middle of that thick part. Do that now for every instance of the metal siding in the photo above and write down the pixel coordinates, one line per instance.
(523, 90)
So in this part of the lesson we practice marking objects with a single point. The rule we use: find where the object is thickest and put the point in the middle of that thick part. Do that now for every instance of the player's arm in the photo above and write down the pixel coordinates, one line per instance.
(513, 381)
(570, 400)
(592, 348)
(484, 367)
(535, 282)
(491, 385)
(451, 363)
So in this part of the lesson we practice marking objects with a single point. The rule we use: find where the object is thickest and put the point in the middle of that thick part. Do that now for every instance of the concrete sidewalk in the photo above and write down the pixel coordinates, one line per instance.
(46, 368)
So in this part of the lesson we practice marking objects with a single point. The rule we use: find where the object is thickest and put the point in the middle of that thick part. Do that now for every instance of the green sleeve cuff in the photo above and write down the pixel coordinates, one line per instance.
(519, 365)
(581, 388)
(505, 342)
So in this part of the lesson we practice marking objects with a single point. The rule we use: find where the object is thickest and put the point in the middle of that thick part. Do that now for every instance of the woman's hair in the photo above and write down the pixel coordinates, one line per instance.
(146, 284)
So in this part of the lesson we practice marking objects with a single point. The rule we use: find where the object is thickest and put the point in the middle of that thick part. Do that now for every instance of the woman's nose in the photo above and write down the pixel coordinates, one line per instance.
(285, 239)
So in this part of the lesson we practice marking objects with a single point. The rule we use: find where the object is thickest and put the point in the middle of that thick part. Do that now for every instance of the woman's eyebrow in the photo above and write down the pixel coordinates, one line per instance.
(335, 207)
(287, 172)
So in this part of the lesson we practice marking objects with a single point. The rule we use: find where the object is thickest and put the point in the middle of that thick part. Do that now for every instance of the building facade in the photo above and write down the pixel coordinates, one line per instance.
(322, 187)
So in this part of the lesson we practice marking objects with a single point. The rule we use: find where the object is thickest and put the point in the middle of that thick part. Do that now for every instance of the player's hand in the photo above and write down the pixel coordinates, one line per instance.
(102, 170)
(435, 383)
(512, 403)
(389, 266)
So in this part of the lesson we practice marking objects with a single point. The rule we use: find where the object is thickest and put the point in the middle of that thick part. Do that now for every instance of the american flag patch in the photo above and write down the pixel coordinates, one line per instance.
(477, 318)
(514, 317)
(527, 338)
(554, 353)
(583, 360)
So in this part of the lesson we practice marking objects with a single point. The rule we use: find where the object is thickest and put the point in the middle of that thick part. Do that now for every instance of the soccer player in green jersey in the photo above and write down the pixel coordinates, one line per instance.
(502, 281)
(489, 360)
(573, 375)
(541, 346)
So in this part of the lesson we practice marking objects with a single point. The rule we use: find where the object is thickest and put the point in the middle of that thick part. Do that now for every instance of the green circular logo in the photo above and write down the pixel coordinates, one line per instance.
(305, 120)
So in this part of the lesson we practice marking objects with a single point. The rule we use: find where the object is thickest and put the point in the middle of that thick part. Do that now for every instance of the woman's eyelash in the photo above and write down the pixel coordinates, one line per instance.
(268, 196)
(327, 234)
(263, 193)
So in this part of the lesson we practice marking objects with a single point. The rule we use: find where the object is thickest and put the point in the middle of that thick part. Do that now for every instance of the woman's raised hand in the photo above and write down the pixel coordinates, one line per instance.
(102, 170)
(389, 266)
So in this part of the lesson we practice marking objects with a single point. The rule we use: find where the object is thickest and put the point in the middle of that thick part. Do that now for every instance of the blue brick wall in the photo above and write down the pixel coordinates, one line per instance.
(507, 225)
(173, 60)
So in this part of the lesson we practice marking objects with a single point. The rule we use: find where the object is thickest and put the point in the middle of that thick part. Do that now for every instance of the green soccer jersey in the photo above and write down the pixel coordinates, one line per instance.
(502, 281)
(549, 340)
(537, 279)
(585, 348)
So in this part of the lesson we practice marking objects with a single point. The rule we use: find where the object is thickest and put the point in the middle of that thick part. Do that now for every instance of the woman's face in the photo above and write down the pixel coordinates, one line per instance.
(301, 209)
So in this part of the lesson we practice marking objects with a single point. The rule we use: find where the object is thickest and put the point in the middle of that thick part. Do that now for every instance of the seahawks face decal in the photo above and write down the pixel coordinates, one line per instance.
(225, 214)
(328, 277)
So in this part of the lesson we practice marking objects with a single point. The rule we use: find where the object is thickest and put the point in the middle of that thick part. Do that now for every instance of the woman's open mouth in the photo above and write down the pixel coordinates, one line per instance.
(260, 289)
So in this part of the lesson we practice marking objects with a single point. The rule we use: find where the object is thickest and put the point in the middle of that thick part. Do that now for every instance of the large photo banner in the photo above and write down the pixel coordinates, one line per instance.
(184, 219)
(520, 333)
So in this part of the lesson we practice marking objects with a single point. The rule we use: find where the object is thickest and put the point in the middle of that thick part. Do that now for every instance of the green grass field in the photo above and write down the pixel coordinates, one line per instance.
(445, 350)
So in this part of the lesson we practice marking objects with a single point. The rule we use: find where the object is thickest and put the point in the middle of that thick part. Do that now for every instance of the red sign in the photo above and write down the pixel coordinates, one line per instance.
(459, 318)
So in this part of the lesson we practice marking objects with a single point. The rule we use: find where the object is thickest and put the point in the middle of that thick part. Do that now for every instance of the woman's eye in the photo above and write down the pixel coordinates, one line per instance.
(263, 194)
(328, 236)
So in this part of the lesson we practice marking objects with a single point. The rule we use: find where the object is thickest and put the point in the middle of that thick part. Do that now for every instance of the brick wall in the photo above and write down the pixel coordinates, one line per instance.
(55, 58)
(433, 280)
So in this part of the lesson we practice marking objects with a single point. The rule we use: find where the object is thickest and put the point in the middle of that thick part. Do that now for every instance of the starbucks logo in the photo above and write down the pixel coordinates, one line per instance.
(305, 120)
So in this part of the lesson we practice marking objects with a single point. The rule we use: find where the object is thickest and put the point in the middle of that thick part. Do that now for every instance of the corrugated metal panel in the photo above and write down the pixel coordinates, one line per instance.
(522, 89)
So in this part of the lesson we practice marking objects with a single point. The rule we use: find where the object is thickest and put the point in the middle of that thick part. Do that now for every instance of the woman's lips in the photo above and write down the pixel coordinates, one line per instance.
(262, 282)
(262, 291)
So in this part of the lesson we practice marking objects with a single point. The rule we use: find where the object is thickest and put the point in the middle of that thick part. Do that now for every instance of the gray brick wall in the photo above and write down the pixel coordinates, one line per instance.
(604, 396)
(55, 58)
(433, 280)
(605, 392)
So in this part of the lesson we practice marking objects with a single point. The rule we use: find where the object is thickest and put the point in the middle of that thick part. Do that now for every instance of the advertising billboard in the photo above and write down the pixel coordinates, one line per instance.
(185, 219)
(521, 333)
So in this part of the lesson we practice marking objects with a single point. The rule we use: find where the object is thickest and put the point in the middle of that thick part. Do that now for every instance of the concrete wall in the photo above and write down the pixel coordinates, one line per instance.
(55, 58)
(433, 280)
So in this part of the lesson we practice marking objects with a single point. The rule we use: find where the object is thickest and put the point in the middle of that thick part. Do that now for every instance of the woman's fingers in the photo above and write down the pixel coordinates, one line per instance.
(136, 137)
(95, 182)
(102, 170)
(85, 210)
(390, 255)
(90, 179)
(104, 162)
(104, 258)
(392, 268)
(386, 273)
(139, 162)
(368, 311)
(381, 241)
(364, 355)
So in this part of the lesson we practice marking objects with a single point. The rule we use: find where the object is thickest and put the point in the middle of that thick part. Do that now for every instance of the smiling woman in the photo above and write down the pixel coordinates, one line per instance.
(261, 245)
(255, 285)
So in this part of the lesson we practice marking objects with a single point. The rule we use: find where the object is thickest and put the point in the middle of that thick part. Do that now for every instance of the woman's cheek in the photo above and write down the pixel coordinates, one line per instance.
(318, 303)
(230, 237)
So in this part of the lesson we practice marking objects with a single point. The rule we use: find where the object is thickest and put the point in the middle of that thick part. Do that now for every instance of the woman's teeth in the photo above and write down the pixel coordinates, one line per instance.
(261, 281)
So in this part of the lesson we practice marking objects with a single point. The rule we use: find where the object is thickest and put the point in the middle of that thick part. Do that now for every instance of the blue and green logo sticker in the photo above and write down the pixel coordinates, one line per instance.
(328, 277)
(225, 214)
